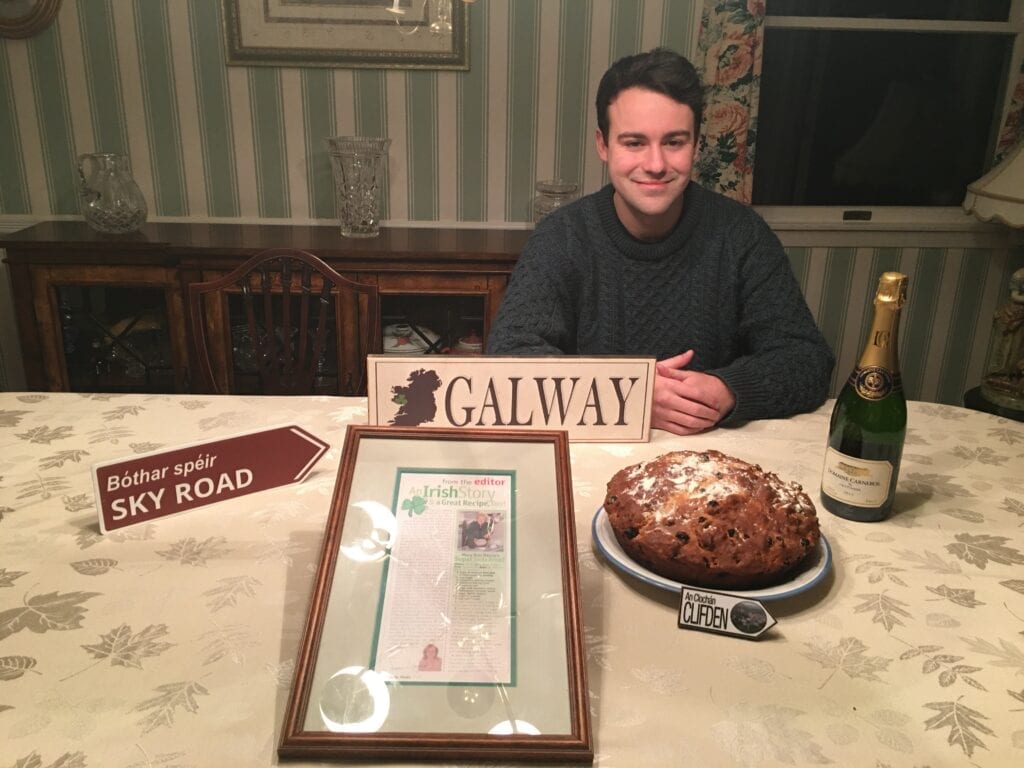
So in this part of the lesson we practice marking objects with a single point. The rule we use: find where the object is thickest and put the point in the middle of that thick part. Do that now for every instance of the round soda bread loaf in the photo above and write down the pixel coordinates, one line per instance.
(711, 520)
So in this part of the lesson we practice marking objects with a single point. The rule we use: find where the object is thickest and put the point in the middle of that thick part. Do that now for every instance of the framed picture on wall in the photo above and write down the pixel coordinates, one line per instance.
(445, 622)
(407, 34)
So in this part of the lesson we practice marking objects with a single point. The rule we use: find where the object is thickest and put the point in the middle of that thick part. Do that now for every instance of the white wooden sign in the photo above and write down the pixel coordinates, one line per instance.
(595, 399)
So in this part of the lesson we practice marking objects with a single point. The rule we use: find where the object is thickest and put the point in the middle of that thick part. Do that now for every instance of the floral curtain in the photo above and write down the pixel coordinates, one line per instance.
(729, 53)
(731, 42)
(1013, 128)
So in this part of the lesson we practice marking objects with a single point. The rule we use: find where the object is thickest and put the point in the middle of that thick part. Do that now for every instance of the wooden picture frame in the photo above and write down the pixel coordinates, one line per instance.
(27, 18)
(369, 34)
(460, 544)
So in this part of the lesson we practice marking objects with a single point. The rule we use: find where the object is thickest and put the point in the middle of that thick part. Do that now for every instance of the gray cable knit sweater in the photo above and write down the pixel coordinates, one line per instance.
(720, 284)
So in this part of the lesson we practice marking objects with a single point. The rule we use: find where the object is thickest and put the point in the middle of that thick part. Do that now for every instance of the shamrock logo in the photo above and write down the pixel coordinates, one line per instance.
(415, 505)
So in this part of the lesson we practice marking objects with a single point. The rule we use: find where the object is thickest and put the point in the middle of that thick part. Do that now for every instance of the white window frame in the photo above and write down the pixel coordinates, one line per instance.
(952, 219)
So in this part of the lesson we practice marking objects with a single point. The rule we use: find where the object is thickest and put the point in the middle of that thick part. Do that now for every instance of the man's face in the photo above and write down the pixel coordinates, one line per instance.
(650, 152)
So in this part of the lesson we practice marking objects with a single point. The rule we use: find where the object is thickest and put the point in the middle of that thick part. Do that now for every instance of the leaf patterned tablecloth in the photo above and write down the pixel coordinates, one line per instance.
(172, 642)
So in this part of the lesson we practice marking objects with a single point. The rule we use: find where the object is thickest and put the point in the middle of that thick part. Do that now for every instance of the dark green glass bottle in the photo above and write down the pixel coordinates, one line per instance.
(869, 421)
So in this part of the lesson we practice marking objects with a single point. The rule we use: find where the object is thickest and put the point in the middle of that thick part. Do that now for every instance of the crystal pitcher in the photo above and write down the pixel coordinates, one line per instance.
(110, 200)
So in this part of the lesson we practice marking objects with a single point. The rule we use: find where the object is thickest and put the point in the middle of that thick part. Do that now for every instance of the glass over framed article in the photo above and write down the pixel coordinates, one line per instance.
(445, 621)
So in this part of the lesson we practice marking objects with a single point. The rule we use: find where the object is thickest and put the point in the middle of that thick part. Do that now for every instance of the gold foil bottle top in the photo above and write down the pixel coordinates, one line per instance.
(892, 289)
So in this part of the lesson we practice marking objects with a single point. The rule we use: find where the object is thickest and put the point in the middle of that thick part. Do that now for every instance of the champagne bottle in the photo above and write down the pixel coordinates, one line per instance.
(869, 420)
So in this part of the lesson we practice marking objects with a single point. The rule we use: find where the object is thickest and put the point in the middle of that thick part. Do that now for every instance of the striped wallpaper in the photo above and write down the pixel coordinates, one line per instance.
(148, 78)
(945, 326)
(207, 141)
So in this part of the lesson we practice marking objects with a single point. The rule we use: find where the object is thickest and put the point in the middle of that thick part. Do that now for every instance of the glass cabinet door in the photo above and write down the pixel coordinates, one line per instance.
(115, 339)
(430, 324)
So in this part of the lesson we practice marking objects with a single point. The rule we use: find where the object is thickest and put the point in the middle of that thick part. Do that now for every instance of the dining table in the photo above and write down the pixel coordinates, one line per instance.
(173, 641)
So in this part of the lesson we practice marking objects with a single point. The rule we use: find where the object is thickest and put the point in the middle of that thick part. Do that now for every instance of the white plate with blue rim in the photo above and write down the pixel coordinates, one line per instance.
(812, 571)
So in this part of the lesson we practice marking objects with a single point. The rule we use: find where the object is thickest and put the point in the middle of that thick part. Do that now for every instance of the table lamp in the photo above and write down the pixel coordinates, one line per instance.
(999, 196)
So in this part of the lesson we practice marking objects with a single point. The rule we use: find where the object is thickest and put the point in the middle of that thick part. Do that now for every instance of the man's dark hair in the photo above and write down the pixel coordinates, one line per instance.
(660, 70)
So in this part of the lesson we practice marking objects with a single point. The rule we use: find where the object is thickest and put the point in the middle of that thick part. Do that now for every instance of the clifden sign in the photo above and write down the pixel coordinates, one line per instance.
(595, 399)
(153, 485)
(724, 614)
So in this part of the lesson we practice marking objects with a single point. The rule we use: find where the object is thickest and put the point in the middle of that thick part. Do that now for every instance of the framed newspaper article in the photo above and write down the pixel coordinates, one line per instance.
(444, 621)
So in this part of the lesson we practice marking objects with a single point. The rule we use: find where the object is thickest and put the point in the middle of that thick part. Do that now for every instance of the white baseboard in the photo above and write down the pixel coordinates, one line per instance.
(10, 224)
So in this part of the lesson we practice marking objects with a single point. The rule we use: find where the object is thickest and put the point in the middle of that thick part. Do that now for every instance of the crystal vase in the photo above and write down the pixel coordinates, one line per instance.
(359, 164)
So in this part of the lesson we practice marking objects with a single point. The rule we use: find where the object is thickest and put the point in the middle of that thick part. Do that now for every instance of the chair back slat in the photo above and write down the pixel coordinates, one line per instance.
(308, 328)
(320, 343)
(305, 284)
(286, 368)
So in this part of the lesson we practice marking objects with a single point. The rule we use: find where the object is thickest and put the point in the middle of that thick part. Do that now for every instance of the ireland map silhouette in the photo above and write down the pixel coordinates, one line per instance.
(416, 403)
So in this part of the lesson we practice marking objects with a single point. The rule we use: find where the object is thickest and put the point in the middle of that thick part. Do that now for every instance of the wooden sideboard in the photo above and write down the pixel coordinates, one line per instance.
(99, 312)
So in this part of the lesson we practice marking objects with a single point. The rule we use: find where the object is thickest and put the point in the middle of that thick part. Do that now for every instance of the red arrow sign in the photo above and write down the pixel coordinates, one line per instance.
(154, 485)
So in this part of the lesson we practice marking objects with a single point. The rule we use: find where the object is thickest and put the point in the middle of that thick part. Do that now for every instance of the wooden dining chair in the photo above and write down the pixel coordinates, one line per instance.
(284, 323)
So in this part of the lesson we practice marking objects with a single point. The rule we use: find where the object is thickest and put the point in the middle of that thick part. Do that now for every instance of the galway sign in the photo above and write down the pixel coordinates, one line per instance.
(595, 399)
(161, 483)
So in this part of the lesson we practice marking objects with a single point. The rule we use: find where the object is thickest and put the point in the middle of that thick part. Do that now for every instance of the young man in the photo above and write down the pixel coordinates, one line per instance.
(654, 264)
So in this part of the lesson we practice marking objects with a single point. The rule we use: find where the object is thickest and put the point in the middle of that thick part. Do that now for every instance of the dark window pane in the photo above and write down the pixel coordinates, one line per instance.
(882, 118)
(967, 10)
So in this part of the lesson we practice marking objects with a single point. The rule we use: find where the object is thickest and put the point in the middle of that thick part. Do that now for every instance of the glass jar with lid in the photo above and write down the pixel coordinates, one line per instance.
(551, 195)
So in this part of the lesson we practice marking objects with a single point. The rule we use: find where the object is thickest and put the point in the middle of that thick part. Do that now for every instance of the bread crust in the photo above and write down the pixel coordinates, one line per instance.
(708, 519)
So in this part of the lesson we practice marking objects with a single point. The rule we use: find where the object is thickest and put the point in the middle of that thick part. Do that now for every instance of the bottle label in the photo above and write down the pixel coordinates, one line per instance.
(860, 482)
(873, 382)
